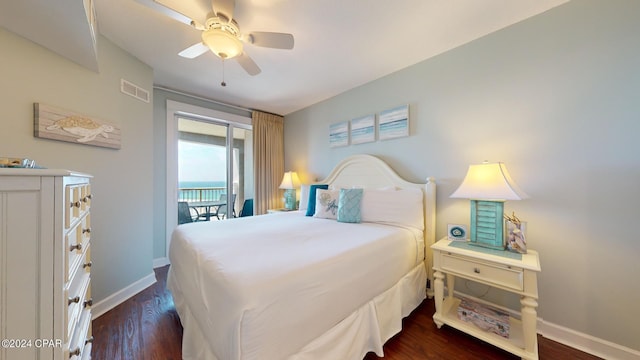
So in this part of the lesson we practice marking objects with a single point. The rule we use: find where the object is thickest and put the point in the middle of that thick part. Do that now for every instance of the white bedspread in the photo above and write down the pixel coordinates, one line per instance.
(263, 287)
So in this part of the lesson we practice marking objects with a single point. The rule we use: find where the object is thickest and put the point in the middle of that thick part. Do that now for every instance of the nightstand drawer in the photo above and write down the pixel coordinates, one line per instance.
(498, 274)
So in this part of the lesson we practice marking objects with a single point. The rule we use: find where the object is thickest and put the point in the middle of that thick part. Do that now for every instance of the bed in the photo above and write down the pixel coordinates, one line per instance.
(291, 286)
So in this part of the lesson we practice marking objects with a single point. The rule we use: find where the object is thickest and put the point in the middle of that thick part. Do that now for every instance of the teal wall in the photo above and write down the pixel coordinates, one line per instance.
(557, 98)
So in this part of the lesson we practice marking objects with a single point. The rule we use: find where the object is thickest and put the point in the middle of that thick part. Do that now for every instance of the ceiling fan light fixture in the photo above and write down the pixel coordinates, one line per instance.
(222, 43)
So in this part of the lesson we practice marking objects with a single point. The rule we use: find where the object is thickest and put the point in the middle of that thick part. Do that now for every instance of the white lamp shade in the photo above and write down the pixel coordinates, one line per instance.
(222, 43)
(290, 180)
(489, 181)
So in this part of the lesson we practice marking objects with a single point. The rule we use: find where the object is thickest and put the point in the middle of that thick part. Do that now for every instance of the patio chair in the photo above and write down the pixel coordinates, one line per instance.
(185, 213)
(247, 208)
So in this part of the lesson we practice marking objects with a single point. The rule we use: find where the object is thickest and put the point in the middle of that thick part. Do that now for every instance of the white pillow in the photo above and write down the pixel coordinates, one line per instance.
(396, 207)
(304, 197)
(327, 204)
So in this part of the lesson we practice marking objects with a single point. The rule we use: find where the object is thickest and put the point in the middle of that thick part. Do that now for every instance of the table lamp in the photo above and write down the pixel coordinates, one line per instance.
(488, 186)
(290, 182)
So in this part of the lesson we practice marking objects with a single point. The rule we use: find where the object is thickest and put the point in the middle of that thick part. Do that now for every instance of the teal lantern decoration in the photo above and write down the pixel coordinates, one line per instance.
(290, 182)
(488, 186)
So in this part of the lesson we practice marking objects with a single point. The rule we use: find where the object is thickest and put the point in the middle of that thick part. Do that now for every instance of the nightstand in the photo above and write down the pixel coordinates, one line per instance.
(516, 275)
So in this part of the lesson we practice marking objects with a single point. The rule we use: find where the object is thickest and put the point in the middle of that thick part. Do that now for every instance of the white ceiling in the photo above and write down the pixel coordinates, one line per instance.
(339, 44)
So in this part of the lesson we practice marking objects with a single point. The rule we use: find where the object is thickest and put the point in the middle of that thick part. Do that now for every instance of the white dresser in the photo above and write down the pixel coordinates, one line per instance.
(45, 264)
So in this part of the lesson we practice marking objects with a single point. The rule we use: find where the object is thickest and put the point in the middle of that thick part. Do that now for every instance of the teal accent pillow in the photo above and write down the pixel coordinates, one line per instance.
(311, 207)
(349, 204)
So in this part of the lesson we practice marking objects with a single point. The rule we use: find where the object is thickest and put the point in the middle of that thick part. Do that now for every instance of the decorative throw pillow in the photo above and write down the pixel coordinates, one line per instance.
(304, 197)
(326, 204)
(311, 205)
(349, 205)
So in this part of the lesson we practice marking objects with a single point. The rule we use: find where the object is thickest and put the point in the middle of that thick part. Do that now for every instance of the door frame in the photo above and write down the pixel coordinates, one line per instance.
(174, 110)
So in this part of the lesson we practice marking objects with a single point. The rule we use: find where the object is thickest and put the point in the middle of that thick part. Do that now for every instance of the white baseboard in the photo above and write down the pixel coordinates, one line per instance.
(160, 262)
(119, 297)
(577, 340)
(587, 343)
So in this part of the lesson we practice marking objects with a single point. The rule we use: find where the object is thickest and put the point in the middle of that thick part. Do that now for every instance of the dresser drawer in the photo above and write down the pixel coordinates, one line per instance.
(85, 197)
(78, 201)
(76, 242)
(81, 264)
(78, 296)
(81, 342)
(500, 275)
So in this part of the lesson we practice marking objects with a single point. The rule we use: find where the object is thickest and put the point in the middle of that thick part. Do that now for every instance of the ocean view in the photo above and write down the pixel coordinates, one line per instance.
(201, 184)
(201, 190)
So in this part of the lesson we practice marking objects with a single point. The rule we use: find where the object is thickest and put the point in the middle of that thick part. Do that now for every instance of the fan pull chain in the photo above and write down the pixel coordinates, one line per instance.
(223, 83)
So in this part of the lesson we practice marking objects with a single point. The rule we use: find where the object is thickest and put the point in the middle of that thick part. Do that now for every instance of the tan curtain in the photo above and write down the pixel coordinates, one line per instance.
(268, 160)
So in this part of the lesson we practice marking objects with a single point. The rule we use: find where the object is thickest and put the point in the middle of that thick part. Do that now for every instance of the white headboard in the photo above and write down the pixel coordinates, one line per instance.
(368, 171)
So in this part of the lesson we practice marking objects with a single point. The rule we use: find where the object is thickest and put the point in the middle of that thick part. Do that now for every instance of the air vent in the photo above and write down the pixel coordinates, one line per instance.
(134, 90)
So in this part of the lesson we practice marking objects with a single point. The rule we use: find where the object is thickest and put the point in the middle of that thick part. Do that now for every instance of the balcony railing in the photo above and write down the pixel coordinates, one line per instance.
(200, 194)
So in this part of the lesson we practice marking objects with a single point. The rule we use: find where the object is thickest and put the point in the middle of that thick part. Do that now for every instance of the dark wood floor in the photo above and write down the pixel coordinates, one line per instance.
(146, 327)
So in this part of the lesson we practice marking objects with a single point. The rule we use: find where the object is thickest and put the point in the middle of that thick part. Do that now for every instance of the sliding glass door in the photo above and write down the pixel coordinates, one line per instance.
(199, 136)
(215, 168)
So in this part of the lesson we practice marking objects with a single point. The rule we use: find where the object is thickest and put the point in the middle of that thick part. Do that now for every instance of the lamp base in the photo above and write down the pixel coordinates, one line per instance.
(487, 224)
(290, 199)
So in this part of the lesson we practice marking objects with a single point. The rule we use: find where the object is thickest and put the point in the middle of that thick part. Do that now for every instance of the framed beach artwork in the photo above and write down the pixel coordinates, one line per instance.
(339, 134)
(394, 123)
(363, 129)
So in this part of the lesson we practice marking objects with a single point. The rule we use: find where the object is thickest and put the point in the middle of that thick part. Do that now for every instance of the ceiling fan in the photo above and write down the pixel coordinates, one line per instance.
(220, 32)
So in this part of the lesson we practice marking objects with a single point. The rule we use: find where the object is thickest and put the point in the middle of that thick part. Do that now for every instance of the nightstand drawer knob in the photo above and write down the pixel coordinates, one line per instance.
(476, 270)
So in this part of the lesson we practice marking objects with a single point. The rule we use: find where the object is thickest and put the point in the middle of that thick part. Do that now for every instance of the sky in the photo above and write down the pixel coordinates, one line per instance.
(201, 162)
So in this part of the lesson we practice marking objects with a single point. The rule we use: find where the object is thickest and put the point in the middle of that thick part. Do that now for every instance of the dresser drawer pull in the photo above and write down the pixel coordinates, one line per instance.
(476, 270)
(89, 340)
(74, 300)
(75, 247)
(86, 265)
(88, 302)
(87, 230)
(75, 352)
(76, 204)
(86, 198)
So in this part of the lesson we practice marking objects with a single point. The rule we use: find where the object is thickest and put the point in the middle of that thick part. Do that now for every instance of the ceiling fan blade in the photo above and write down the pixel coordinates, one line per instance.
(248, 64)
(194, 51)
(194, 9)
(224, 6)
(271, 40)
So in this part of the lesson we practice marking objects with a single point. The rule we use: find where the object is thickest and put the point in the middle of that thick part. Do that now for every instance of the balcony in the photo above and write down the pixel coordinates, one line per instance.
(200, 194)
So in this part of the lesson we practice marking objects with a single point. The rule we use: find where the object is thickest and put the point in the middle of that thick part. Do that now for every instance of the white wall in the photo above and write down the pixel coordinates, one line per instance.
(557, 98)
(121, 218)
